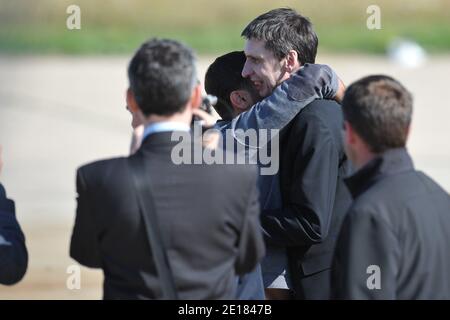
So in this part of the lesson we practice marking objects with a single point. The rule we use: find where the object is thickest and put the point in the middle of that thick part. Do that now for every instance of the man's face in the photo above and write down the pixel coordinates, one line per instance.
(263, 69)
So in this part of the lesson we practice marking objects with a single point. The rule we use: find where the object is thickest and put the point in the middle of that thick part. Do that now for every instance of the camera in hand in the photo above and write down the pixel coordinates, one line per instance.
(208, 102)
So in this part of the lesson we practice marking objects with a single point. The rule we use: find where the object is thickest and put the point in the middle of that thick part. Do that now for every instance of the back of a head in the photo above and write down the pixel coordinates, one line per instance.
(162, 75)
(223, 77)
(284, 29)
(379, 109)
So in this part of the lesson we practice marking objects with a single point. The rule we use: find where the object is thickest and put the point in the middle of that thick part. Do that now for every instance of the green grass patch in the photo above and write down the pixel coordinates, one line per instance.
(100, 40)
(210, 27)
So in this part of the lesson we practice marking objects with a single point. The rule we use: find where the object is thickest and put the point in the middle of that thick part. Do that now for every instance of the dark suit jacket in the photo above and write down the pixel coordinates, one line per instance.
(400, 223)
(208, 214)
(315, 198)
(312, 81)
(13, 252)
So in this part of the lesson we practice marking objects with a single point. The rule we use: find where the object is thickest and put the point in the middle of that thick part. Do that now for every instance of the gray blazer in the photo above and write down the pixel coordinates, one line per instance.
(394, 243)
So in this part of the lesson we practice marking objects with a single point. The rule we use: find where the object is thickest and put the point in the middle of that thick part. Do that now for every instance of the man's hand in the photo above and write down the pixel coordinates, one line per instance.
(136, 138)
(208, 120)
(211, 137)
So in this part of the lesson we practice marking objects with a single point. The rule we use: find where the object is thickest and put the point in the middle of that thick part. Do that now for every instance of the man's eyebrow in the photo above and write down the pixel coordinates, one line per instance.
(252, 56)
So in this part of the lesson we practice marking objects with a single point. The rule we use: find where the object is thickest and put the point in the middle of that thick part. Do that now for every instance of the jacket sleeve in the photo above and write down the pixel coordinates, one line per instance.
(307, 210)
(312, 81)
(251, 248)
(84, 243)
(366, 258)
(13, 252)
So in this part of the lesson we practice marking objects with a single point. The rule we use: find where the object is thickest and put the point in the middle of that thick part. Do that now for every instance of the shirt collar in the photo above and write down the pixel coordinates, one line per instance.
(165, 126)
(390, 162)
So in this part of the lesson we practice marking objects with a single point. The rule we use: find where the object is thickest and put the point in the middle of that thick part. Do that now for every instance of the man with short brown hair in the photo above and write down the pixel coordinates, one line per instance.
(394, 243)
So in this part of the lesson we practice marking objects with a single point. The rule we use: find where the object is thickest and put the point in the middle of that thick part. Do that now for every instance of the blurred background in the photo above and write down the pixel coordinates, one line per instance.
(62, 94)
(118, 26)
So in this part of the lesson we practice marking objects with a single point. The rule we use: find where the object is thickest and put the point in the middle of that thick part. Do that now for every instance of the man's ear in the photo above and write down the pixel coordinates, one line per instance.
(240, 100)
(353, 138)
(408, 131)
(350, 134)
(131, 101)
(196, 97)
(138, 117)
(292, 63)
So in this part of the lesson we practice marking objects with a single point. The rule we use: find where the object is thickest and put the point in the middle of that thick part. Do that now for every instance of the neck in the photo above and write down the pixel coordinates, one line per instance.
(181, 117)
(363, 157)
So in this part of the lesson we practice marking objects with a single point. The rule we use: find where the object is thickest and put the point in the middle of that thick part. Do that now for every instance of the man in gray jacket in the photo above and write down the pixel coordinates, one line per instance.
(394, 243)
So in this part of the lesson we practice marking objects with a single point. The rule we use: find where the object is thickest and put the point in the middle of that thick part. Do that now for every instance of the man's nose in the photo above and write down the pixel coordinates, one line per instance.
(246, 70)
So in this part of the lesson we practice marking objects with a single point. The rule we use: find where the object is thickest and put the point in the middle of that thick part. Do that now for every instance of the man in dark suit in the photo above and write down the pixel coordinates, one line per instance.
(394, 243)
(314, 197)
(13, 252)
(208, 214)
(302, 222)
(240, 107)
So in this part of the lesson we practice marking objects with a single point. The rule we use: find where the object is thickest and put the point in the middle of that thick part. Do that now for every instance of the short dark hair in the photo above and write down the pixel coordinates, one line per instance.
(379, 109)
(284, 29)
(223, 77)
(162, 75)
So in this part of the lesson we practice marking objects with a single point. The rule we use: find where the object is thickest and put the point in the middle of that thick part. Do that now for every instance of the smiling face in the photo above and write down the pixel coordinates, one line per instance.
(263, 69)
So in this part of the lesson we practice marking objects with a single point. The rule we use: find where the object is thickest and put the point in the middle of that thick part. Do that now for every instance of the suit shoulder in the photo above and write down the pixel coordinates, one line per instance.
(323, 109)
(100, 168)
(321, 119)
(320, 112)
(430, 185)
(324, 102)
(364, 209)
(100, 164)
(402, 188)
(393, 196)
